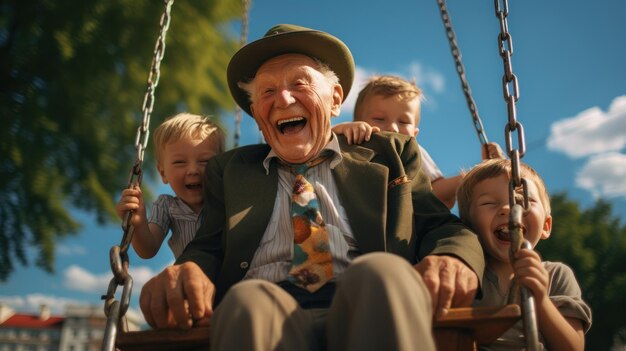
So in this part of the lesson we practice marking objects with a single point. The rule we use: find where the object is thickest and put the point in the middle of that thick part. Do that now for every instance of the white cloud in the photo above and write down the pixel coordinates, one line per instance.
(591, 131)
(78, 279)
(604, 175)
(425, 78)
(361, 75)
(71, 250)
(140, 276)
(31, 303)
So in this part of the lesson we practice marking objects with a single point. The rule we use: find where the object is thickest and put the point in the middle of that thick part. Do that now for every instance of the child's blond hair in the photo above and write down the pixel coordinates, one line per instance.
(387, 86)
(491, 169)
(187, 125)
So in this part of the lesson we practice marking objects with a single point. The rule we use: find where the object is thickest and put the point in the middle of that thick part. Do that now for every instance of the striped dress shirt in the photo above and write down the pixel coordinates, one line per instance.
(272, 260)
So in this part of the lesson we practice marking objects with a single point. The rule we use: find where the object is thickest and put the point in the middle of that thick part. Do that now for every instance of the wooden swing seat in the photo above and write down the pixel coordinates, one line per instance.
(462, 329)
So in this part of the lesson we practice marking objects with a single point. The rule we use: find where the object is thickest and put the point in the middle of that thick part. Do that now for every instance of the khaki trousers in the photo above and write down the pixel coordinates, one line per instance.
(380, 304)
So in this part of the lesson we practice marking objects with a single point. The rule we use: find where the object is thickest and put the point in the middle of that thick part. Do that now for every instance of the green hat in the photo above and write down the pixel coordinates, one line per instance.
(289, 39)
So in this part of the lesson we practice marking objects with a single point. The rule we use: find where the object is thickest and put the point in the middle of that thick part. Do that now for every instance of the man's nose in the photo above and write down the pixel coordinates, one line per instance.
(393, 127)
(284, 98)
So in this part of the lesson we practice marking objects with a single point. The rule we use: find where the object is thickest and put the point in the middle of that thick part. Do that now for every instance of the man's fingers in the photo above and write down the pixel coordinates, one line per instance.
(145, 299)
(180, 296)
(199, 293)
(450, 282)
(446, 289)
(154, 306)
(430, 276)
(466, 286)
(159, 308)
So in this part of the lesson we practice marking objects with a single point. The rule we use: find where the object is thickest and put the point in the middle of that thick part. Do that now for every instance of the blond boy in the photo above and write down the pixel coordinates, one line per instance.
(184, 144)
(483, 200)
(393, 104)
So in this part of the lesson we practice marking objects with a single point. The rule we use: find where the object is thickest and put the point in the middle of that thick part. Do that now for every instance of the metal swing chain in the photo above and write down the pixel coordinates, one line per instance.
(245, 4)
(510, 89)
(115, 310)
(456, 53)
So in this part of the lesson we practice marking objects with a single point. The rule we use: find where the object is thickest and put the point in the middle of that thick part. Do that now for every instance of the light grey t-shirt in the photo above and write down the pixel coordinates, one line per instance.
(563, 291)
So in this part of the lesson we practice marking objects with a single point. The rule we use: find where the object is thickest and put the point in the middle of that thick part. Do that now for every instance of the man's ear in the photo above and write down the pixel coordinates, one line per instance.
(161, 170)
(547, 228)
(337, 100)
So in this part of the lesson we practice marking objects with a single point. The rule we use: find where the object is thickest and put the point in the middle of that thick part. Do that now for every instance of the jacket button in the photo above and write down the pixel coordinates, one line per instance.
(243, 265)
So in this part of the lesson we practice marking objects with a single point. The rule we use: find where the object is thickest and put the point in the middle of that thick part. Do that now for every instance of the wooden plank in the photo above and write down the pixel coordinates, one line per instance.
(459, 330)
(486, 323)
(194, 339)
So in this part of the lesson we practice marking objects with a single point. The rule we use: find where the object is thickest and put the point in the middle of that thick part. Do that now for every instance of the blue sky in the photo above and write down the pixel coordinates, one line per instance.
(569, 59)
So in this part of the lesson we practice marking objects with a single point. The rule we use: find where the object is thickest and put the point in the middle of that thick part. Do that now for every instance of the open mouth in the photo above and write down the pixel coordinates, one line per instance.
(502, 233)
(291, 125)
(194, 186)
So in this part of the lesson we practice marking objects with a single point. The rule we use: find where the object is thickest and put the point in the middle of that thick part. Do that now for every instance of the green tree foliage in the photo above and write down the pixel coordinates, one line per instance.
(593, 243)
(73, 75)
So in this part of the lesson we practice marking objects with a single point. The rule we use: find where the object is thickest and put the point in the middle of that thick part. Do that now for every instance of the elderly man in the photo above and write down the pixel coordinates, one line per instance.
(310, 243)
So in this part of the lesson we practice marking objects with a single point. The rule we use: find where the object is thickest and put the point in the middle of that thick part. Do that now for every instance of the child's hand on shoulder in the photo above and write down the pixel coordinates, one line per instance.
(355, 132)
(530, 273)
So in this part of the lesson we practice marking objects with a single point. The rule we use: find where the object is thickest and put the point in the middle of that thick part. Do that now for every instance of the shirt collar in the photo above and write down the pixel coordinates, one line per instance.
(333, 145)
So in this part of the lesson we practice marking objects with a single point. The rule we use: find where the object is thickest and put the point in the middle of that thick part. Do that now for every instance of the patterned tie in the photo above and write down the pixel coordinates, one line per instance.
(312, 263)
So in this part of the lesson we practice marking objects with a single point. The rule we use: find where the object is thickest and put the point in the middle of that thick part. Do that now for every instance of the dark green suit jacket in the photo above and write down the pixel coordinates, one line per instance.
(387, 198)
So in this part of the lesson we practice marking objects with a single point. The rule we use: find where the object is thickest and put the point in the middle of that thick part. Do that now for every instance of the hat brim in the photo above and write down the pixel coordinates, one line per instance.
(320, 45)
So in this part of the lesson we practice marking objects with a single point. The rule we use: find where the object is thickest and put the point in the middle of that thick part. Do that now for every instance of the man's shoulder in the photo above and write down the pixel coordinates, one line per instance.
(390, 137)
(245, 153)
(383, 142)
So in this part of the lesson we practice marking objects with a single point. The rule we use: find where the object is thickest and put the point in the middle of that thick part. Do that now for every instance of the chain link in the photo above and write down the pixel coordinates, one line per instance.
(245, 5)
(510, 89)
(456, 54)
(118, 255)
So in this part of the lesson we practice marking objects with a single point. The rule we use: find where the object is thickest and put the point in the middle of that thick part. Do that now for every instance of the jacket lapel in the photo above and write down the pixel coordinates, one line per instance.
(249, 214)
(363, 192)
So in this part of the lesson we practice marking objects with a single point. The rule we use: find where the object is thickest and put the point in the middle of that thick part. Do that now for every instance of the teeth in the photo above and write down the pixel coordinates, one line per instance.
(294, 119)
(504, 229)
(502, 232)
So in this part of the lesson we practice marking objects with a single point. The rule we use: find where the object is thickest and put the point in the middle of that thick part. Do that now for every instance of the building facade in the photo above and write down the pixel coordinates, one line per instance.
(80, 329)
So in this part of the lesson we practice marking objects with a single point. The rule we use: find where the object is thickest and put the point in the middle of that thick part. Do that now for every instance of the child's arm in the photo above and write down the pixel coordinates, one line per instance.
(559, 332)
(147, 237)
(355, 132)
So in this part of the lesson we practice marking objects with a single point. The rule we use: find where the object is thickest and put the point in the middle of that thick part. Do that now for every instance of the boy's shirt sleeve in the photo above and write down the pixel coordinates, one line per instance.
(429, 166)
(566, 294)
(159, 214)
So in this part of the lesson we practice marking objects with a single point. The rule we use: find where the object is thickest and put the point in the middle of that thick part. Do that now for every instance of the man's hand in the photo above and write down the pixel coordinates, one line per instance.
(179, 297)
(451, 282)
